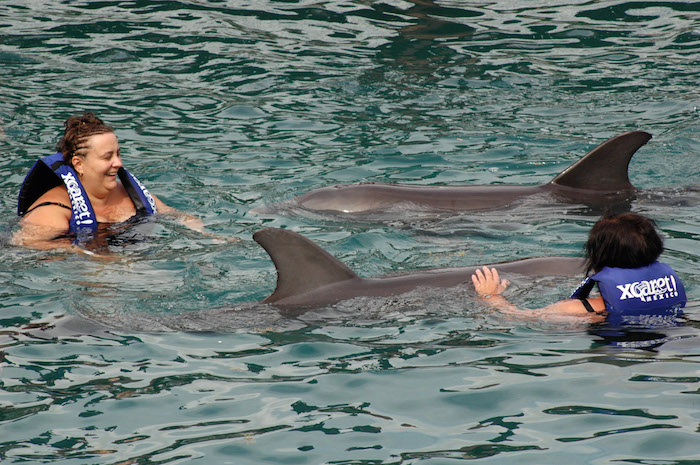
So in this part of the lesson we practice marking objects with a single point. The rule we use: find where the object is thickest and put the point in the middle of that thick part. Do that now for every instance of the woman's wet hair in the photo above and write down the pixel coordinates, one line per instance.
(625, 240)
(76, 133)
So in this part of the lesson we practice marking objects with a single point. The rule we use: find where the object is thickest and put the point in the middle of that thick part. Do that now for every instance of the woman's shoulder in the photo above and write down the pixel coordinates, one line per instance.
(58, 194)
(52, 208)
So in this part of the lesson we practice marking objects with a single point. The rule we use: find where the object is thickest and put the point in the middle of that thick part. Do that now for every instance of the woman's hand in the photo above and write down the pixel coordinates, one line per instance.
(487, 282)
(191, 222)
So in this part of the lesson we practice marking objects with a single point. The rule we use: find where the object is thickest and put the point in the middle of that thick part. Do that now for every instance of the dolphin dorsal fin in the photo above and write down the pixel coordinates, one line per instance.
(301, 265)
(605, 167)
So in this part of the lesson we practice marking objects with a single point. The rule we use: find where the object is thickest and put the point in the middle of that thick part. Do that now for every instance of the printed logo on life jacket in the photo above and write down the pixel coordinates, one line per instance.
(81, 211)
(647, 291)
(147, 194)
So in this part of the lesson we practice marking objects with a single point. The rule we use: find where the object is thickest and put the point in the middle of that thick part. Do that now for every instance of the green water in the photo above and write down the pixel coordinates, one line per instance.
(222, 107)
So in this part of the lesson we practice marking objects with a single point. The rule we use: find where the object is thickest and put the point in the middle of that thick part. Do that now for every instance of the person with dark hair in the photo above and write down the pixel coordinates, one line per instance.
(68, 194)
(622, 254)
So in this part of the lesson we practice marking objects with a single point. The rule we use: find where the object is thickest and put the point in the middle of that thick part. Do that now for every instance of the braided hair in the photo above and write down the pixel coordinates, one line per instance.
(78, 130)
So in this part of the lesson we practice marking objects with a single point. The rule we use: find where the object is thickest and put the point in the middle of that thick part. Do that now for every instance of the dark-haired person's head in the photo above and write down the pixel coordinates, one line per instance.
(77, 132)
(626, 240)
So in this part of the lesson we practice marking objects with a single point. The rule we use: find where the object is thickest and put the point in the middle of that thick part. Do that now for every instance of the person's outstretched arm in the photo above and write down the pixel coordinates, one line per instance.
(489, 286)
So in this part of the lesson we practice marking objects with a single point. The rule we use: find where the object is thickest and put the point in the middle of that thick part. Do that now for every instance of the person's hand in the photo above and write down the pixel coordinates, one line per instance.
(487, 282)
(192, 222)
(219, 238)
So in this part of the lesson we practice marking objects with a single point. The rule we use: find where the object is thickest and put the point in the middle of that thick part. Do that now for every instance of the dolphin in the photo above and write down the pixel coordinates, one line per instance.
(599, 176)
(308, 276)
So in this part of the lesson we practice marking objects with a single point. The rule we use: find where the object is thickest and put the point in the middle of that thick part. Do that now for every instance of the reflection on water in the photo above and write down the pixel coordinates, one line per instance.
(223, 107)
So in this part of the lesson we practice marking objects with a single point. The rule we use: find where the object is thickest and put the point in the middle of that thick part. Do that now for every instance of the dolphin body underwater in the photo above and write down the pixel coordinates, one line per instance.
(599, 176)
(308, 276)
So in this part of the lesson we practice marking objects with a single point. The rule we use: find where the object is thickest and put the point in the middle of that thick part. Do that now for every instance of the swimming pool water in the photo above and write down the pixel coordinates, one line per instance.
(225, 107)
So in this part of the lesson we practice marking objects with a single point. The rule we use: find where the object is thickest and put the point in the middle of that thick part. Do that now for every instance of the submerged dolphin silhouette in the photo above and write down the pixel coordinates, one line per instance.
(308, 276)
(600, 174)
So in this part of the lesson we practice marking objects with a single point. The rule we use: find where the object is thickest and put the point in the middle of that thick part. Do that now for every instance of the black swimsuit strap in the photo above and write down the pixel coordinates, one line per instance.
(43, 204)
(587, 304)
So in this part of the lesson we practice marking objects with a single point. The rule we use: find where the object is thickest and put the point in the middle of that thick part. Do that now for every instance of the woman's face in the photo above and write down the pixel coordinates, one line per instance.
(98, 168)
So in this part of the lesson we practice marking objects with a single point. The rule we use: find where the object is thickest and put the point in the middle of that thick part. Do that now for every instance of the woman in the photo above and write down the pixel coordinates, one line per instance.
(622, 252)
(67, 195)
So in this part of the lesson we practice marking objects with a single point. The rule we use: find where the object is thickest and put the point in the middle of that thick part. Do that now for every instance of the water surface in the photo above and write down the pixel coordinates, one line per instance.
(222, 107)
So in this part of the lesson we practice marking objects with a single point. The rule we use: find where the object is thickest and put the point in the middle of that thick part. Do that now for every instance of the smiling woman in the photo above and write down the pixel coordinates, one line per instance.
(67, 195)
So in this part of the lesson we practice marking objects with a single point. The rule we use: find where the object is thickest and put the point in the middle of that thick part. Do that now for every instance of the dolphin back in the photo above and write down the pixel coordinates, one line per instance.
(605, 167)
(302, 266)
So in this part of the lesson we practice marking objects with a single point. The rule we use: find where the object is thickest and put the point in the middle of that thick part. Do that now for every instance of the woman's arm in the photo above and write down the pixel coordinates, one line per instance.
(490, 287)
(189, 221)
(47, 218)
(40, 236)
(192, 222)
(42, 229)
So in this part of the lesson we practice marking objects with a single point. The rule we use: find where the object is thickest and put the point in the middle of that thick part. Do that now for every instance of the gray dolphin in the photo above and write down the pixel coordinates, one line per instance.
(308, 276)
(600, 175)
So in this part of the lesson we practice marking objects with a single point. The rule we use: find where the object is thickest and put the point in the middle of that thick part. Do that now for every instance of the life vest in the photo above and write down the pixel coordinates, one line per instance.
(50, 171)
(650, 295)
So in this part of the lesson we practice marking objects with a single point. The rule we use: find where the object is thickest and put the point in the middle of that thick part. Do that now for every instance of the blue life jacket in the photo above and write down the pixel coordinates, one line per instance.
(650, 295)
(49, 172)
